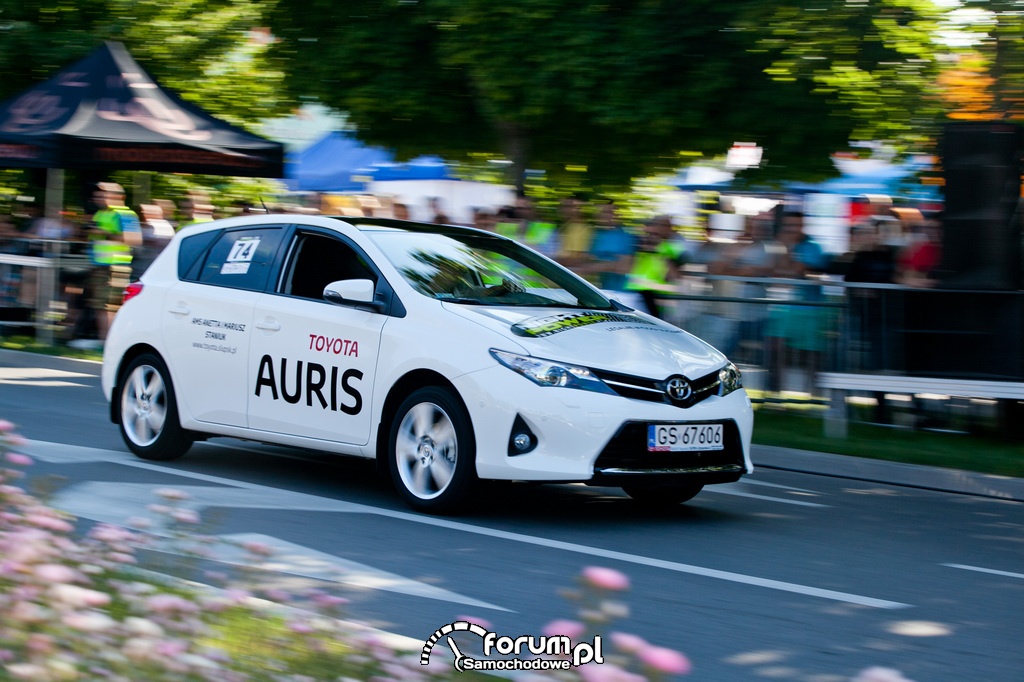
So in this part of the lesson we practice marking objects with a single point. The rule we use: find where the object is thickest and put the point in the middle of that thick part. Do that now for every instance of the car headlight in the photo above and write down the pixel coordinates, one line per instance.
(729, 379)
(550, 373)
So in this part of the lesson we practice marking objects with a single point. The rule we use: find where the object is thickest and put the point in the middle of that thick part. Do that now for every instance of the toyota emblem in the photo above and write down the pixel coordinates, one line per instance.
(678, 389)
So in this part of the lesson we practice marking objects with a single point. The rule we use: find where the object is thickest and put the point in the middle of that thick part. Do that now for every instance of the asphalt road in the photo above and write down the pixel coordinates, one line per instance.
(784, 575)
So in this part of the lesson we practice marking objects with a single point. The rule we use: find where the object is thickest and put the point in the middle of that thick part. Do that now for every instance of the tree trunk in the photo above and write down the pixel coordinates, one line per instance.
(516, 145)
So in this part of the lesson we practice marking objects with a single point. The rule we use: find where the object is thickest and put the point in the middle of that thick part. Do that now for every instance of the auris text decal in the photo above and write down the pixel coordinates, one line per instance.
(309, 380)
(526, 652)
(545, 326)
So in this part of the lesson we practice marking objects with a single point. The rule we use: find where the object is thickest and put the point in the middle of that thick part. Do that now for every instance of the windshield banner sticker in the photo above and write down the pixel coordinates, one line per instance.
(545, 326)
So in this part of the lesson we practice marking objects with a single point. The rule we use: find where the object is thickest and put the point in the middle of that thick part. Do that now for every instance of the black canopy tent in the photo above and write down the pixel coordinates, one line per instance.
(105, 113)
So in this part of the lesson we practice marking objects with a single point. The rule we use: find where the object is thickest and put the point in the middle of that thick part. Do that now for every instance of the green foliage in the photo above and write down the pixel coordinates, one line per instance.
(617, 88)
(206, 50)
(874, 60)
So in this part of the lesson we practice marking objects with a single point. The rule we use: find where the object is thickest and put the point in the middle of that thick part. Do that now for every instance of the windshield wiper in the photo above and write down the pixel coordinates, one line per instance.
(464, 301)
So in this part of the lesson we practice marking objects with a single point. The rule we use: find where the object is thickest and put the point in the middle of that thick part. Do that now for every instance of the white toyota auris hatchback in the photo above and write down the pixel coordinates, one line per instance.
(448, 354)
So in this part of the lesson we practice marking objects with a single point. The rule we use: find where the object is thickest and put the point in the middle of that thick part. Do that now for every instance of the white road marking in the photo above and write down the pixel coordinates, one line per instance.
(993, 571)
(67, 453)
(753, 481)
(38, 376)
(728, 489)
(115, 503)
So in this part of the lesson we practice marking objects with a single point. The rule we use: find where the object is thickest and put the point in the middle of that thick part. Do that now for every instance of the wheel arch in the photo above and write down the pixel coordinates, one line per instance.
(127, 359)
(409, 382)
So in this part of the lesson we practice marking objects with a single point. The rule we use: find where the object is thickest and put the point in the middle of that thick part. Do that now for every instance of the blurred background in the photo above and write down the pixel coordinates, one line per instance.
(828, 191)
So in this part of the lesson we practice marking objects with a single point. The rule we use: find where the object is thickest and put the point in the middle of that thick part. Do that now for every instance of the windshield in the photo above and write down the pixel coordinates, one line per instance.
(483, 270)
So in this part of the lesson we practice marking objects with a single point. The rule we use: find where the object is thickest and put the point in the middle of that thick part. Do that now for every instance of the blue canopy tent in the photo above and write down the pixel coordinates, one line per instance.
(332, 164)
(340, 163)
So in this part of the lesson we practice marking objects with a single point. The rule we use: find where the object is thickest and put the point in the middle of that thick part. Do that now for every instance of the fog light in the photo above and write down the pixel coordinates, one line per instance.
(521, 439)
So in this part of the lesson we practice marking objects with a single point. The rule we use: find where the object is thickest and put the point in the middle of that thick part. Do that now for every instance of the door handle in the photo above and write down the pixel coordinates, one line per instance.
(180, 309)
(269, 325)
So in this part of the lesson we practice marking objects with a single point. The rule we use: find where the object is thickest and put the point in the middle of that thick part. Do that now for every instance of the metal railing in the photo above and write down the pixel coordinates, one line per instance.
(785, 332)
(32, 272)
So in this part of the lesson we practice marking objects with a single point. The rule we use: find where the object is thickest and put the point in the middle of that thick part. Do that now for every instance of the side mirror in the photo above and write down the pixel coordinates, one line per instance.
(356, 293)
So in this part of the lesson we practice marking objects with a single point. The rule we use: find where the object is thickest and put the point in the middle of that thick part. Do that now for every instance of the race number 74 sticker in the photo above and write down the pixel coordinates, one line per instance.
(240, 256)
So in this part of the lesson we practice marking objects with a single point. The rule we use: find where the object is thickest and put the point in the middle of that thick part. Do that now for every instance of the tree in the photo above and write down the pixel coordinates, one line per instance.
(875, 61)
(1000, 29)
(619, 87)
(204, 49)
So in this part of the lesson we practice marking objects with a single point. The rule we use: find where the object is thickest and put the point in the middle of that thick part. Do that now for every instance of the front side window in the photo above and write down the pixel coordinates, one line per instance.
(482, 270)
(316, 260)
(242, 259)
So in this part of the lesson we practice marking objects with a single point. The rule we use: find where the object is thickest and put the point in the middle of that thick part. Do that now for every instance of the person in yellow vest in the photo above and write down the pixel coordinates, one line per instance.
(577, 234)
(115, 230)
(655, 263)
(196, 208)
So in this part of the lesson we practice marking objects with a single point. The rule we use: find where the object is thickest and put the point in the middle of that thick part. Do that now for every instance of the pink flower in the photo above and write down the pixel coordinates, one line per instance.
(327, 601)
(18, 459)
(605, 578)
(665, 660)
(257, 548)
(91, 621)
(79, 597)
(185, 516)
(299, 627)
(573, 629)
(165, 603)
(879, 674)
(49, 523)
(631, 644)
(5, 426)
(55, 573)
(172, 494)
(171, 648)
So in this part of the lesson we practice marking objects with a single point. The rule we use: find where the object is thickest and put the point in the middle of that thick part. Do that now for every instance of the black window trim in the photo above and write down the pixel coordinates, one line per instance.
(194, 273)
(383, 292)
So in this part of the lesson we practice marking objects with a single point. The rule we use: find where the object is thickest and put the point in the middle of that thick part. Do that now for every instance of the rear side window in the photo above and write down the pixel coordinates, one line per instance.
(190, 251)
(242, 259)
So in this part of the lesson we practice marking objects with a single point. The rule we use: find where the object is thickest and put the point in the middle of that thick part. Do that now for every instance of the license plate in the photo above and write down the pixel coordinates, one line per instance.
(684, 437)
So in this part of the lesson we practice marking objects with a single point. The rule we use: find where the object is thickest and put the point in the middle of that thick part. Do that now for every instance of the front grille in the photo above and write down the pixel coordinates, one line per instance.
(627, 452)
(653, 390)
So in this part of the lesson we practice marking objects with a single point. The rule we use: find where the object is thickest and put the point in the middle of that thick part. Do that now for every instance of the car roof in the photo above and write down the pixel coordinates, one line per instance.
(363, 224)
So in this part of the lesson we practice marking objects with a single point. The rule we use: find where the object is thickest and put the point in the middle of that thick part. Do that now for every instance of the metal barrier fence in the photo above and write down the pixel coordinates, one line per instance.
(34, 274)
(785, 333)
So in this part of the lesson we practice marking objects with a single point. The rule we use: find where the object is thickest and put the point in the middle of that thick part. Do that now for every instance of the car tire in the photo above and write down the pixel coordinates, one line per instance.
(432, 451)
(148, 411)
(662, 495)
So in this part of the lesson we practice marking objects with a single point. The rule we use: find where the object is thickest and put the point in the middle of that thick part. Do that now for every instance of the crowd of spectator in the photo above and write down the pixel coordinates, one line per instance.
(644, 265)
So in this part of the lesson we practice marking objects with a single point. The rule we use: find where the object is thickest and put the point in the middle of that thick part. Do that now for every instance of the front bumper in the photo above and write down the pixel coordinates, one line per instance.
(594, 437)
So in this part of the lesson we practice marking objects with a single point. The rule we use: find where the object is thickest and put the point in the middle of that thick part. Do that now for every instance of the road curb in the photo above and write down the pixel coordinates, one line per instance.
(890, 473)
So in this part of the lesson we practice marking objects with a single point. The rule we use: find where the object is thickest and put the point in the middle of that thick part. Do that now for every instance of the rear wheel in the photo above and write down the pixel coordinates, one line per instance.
(431, 451)
(662, 495)
(148, 411)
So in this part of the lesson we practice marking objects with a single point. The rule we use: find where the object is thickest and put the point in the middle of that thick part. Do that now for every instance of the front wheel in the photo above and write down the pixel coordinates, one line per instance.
(148, 411)
(662, 495)
(431, 451)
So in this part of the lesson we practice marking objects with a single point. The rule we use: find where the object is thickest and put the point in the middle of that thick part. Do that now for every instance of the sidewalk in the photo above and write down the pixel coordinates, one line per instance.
(891, 473)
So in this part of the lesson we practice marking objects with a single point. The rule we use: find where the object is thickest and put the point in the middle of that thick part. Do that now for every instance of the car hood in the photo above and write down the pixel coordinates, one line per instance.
(625, 342)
